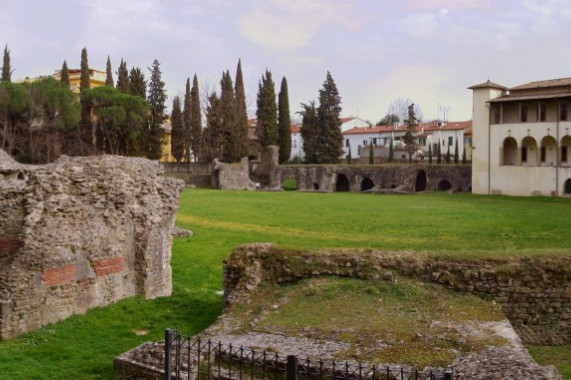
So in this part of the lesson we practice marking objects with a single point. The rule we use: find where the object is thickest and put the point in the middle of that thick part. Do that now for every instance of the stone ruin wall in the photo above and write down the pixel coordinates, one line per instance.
(535, 292)
(80, 233)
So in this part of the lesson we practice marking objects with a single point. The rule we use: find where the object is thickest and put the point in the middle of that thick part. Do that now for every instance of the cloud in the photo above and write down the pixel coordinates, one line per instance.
(446, 4)
(292, 24)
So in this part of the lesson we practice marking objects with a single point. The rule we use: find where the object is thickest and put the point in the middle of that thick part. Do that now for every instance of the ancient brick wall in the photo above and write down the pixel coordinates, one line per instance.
(535, 292)
(80, 233)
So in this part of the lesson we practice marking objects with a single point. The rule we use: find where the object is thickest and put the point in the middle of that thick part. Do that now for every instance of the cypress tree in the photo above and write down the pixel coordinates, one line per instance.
(186, 122)
(157, 98)
(331, 139)
(439, 156)
(456, 154)
(6, 69)
(349, 158)
(448, 155)
(212, 133)
(84, 83)
(371, 154)
(137, 82)
(284, 123)
(230, 129)
(109, 74)
(177, 131)
(241, 113)
(64, 75)
(464, 161)
(123, 85)
(391, 152)
(195, 121)
(310, 132)
(267, 111)
(430, 153)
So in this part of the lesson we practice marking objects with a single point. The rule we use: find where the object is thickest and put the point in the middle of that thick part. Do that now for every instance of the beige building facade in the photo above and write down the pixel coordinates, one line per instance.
(522, 138)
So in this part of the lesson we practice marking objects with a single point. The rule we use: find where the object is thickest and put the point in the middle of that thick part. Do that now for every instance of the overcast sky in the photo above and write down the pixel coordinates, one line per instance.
(376, 50)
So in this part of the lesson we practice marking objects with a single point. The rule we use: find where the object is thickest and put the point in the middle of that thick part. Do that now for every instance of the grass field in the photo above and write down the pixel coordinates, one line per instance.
(83, 347)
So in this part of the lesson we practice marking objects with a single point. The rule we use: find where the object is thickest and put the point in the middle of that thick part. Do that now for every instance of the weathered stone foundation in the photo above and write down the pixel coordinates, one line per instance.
(79, 233)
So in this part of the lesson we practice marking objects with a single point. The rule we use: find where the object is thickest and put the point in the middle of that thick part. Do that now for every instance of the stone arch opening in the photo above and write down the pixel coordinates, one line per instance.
(367, 184)
(315, 186)
(510, 151)
(289, 184)
(342, 183)
(567, 187)
(548, 151)
(529, 151)
(566, 150)
(444, 185)
(420, 184)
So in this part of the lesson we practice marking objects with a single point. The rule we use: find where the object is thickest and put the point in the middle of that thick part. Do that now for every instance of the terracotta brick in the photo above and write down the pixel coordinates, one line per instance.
(106, 266)
(59, 275)
(9, 243)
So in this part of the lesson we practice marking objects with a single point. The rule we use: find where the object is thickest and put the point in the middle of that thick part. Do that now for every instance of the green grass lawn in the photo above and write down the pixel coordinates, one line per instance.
(83, 347)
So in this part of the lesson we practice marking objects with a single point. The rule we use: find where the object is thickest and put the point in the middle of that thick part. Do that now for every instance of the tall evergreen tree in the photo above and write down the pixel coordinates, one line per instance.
(456, 153)
(186, 122)
(464, 161)
(267, 113)
(242, 113)
(123, 84)
(371, 154)
(195, 125)
(429, 153)
(211, 147)
(310, 132)
(391, 152)
(157, 99)
(137, 83)
(64, 75)
(409, 138)
(349, 158)
(177, 131)
(331, 139)
(84, 83)
(448, 155)
(6, 69)
(284, 123)
(230, 128)
(109, 74)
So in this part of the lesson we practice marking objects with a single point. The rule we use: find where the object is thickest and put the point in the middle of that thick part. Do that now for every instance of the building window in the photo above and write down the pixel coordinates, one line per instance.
(385, 140)
(564, 153)
(295, 143)
(523, 114)
(450, 140)
(543, 151)
(364, 142)
(346, 143)
(497, 117)
(443, 142)
(374, 141)
(435, 148)
(542, 112)
(563, 108)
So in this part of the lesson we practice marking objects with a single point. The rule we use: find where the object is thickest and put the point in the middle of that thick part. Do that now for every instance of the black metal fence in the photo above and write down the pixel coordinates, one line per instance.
(187, 357)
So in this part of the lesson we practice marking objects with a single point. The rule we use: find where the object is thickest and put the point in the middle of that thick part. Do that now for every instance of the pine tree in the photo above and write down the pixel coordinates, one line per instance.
(349, 158)
(242, 113)
(464, 161)
(230, 129)
(157, 99)
(310, 131)
(267, 113)
(137, 83)
(109, 74)
(84, 83)
(331, 139)
(448, 155)
(6, 69)
(177, 131)
(411, 123)
(429, 154)
(212, 134)
(284, 123)
(391, 152)
(456, 154)
(186, 120)
(195, 120)
(64, 75)
(439, 156)
(123, 84)
(371, 154)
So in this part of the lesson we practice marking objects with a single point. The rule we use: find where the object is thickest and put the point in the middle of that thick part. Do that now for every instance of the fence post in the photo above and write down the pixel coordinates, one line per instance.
(168, 343)
(448, 375)
(291, 370)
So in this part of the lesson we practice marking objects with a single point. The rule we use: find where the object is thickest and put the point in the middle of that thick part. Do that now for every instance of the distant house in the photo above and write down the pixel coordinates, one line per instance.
(348, 123)
(297, 152)
(521, 138)
(96, 78)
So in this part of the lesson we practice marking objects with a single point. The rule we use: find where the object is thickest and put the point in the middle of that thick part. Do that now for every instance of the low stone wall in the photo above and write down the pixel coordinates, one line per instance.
(535, 292)
(79, 233)
(232, 176)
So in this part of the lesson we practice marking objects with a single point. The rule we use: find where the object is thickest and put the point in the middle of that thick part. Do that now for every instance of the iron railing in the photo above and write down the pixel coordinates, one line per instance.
(191, 358)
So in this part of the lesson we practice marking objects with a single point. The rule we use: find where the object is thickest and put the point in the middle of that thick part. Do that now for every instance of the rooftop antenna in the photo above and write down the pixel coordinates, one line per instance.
(445, 112)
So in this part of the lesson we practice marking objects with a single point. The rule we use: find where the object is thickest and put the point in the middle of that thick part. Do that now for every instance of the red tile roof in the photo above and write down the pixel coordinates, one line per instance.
(295, 128)
(428, 127)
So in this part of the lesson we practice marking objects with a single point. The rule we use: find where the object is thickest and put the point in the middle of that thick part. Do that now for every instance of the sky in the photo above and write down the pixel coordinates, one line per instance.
(376, 50)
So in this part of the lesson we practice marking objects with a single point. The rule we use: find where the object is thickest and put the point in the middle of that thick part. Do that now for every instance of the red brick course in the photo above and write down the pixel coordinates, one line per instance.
(8, 244)
(106, 266)
(59, 275)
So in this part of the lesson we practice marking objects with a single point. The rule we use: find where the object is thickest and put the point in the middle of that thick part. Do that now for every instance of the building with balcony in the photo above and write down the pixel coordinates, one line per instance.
(96, 78)
(521, 138)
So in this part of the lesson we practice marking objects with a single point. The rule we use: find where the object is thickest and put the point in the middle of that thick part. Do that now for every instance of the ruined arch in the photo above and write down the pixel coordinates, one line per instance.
(444, 185)
(367, 184)
(342, 183)
(567, 187)
(289, 183)
(566, 150)
(529, 151)
(420, 184)
(509, 151)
